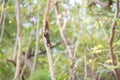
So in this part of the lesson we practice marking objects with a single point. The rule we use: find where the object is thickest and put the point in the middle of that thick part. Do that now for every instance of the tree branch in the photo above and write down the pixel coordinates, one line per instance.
(36, 44)
(19, 36)
(112, 33)
(2, 19)
(102, 4)
(27, 53)
(47, 39)
(66, 42)
(14, 63)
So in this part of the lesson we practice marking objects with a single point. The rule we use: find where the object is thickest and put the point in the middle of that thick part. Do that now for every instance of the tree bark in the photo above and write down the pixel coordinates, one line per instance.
(112, 33)
(66, 42)
(47, 40)
(19, 36)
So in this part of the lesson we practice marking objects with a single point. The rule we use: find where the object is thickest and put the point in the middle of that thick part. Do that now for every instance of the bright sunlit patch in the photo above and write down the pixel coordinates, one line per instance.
(72, 2)
(10, 22)
(33, 19)
(26, 25)
(35, 1)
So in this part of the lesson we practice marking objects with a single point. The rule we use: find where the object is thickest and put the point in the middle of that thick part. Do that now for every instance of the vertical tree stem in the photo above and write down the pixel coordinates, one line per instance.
(112, 33)
(19, 36)
(36, 45)
(27, 53)
(2, 19)
(85, 64)
(47, 40)
(67, 44)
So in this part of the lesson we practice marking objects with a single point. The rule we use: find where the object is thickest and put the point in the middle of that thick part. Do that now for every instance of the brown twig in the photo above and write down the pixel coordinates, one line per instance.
(47, 39)
(102, 4)
(14, 63)
(27, 52)
(2, 18)
(36, 44)
(66, 42)
(15, 49)
(85, 64)
(112, 33)
(19, 36)
(44, 51)
(110, 2)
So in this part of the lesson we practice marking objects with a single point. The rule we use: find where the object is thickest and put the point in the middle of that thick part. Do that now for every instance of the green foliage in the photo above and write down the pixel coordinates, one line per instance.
(87, 30)
(6, 69)
(41, 74)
